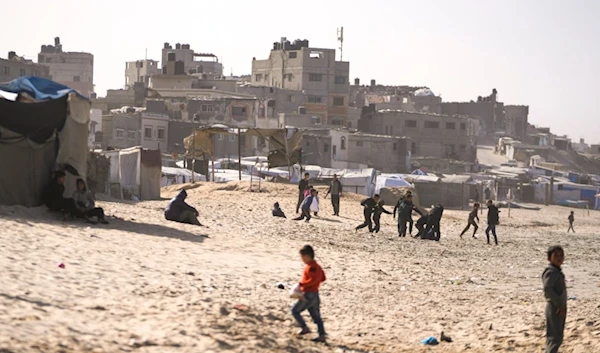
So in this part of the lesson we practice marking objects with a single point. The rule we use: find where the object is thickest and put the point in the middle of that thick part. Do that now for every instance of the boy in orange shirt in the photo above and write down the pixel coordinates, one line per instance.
(312, 277)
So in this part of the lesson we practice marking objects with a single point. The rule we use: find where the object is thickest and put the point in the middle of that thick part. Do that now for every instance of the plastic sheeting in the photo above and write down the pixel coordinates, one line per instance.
(387, 182)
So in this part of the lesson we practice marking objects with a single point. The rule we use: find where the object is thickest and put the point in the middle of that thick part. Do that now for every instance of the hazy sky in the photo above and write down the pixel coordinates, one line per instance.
(541, 53)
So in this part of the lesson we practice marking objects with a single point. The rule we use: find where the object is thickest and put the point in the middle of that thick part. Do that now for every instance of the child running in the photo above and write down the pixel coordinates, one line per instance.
(312, 277)
(471, 222)
(571, 220)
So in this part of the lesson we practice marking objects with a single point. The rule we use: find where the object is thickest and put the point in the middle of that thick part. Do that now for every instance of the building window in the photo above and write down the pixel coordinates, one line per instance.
(338, 101)
(120, 133)
(220, 137)
(340, 80)
(207, 108)
(432, 124)
(291, 98)
(23, 72)
(450, 126)
(293, 55)
(410, 123)
(463, 126)
(161, 133)
(334, 150)
(315, 77)
(359, 143)
(258, 77)
(386, 130)
(76, 79)
(462, 148)
(289, 77)
(314, 99)
(231, 138)
(131, 134)
(316, 55)
(413, 148)
(148, 132)
(326, 147)
(343, 143)
(7, 70)
(238, 111)
(261, 111)
(395, 146)
(391, 130)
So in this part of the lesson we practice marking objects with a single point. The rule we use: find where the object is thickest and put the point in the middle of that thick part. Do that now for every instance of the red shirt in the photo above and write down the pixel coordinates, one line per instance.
(312, 277)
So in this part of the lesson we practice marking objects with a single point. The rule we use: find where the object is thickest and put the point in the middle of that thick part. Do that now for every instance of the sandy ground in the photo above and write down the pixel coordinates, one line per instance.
(142, 284)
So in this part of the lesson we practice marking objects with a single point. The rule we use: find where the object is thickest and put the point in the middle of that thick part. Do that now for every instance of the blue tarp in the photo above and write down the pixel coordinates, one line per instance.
(38, 88)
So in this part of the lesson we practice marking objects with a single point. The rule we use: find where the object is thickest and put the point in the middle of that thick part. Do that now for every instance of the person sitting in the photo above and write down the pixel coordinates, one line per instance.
(86, 204)
(277, 211)
(179, 211)
(53, 196)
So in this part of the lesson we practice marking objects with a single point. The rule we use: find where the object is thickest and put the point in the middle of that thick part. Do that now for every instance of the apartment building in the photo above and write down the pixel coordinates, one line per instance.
(193, 63)
(314, 71)
(432, 135)
(141, 71)
(488, 110)
(72, 69)
(125, 130)
(16, 66)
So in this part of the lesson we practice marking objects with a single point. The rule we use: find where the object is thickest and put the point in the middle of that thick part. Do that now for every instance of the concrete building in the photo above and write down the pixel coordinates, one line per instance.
(16, 66)
(141, 71)
(432, 135)
(72, 69)
(516, 121)
(278, 100)
(488, 110)
(95, 128)
(594, 149)
(314, 71)
(134, 96)
(581, 146)
(337, 148)
(184, 53)
(144, 129)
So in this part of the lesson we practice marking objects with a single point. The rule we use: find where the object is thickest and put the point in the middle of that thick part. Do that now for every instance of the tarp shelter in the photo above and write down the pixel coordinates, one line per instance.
(390, 181)
(285, 144)
(171, 176)
(44, 129)
(136, 171)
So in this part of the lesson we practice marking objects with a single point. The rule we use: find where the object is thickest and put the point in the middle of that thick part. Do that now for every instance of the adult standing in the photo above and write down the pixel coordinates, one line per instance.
(493, 219)
(302, 186)
(335, 189)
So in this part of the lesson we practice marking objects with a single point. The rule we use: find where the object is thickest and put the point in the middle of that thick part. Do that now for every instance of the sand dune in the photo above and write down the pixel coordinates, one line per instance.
(142, 284)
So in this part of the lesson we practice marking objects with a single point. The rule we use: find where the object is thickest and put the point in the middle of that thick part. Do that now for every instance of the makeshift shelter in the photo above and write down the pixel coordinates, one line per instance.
(43, 130)
(390, 181)
(171, 176)
(136, 172)
(285, 144)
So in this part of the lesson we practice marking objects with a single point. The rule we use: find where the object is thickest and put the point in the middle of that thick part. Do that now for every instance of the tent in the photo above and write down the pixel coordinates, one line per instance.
(136, 171)
(390, 181)
(44, 129)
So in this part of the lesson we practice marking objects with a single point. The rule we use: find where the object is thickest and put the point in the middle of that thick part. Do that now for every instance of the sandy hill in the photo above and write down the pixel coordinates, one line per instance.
(142, 284)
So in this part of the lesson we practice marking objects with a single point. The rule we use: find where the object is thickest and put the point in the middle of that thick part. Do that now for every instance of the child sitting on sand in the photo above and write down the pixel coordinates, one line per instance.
(277, 211)
(312, 277)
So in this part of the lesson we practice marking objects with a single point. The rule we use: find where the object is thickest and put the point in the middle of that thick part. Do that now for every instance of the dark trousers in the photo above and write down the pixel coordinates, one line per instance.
(420, 228)
(63, 205)
(300, 199)
(555, 328)
(471, 223)
(367, 223)
(377, 222)
(312, 303)
(434, 227)
(305, 215)
(94, 212)
(491, 228)
(402, 226)
(410, 225)
(571, 227)
(335, 202)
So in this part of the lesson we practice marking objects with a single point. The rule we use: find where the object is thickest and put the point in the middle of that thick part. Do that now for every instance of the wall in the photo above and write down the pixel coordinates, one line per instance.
(171, 81)
(140, 71)
(484, 111)
(121, 131)
(11, 69)
(316, 150)
(386, 154)
(339, 148)
(155, 131)
(455, 137)
(449, 195)
(516, 121)
(95, 128)
(72, 69)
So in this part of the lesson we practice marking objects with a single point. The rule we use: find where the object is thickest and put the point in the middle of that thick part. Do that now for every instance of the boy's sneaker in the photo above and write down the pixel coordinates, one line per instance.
(305, 331)
(320, 339)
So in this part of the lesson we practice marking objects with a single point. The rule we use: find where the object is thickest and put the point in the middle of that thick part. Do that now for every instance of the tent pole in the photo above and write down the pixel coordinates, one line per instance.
(212, 156)
(239, 155)
(193, 154)
(287, 154)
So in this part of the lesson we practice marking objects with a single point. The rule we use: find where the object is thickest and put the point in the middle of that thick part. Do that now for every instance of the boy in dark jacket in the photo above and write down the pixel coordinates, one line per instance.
(53, 196)
(179, 211)
(433, 230)
(471, 222)
(312, 277)
(368, 208)
(571, 220)
(555, 292)
(377, 211)
(421, 224)
(277, 211)
(493, 219)
(398, 204)
(405, 209)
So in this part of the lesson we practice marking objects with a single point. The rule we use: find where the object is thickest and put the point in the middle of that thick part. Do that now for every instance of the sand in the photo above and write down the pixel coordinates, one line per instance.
(142, 284)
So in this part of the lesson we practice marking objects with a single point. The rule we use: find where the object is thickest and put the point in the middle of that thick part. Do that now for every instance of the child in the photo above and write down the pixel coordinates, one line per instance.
(493, 219)
(571, 220)
(305, 207)
(377, 211)
(471, 222)
(312, 277)
(277, 211)
(555, 291)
